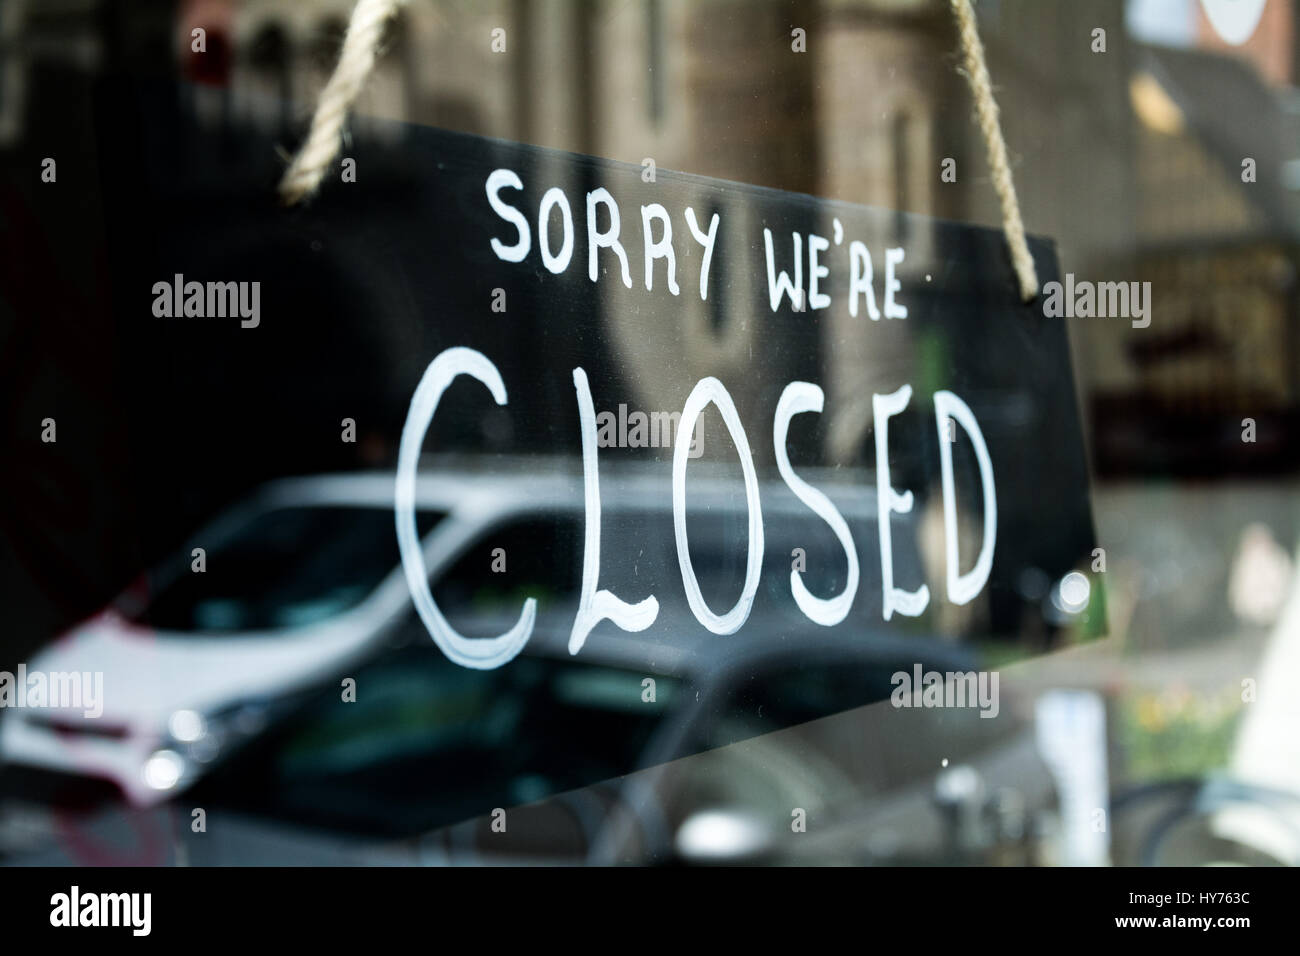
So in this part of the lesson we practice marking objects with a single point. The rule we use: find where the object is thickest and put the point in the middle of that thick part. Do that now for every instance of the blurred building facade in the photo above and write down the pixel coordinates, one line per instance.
(1129, 155)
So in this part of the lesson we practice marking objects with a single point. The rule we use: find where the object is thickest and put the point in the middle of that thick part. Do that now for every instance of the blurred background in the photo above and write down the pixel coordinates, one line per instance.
(1172, 739)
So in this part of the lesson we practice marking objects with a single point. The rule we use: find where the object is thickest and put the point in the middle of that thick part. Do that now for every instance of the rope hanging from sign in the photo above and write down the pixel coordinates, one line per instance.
(357, 59)
(361, 48)
(986, 108)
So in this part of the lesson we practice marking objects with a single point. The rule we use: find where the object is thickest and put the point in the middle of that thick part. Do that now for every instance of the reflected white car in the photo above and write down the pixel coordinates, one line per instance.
(304, 579)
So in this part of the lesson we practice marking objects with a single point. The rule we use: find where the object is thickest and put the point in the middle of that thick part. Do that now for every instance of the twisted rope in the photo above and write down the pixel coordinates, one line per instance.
(357, 59)
(986, 108)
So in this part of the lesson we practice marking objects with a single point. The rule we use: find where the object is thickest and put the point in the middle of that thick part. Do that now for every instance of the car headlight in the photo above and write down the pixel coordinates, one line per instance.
(187, 726)
(202, 738)
(164, 769)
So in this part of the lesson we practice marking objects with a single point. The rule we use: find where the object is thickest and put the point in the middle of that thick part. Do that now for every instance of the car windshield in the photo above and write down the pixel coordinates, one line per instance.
(287, 567)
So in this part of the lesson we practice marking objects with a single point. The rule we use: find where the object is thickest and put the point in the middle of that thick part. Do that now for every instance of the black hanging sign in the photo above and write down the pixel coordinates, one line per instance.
(779, 419)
